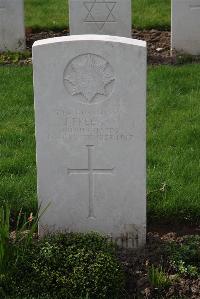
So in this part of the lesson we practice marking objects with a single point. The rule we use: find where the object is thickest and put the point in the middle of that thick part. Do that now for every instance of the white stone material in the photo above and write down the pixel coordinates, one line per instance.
(112, 17)
(186, 26)
(12, 31)
(90, 102)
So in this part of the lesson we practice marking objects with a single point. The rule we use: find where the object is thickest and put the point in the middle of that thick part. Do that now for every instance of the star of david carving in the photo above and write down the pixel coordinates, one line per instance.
(100, 12)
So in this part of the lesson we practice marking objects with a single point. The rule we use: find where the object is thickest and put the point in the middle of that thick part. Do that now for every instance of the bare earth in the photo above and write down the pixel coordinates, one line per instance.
(136, 264)
(158, 43)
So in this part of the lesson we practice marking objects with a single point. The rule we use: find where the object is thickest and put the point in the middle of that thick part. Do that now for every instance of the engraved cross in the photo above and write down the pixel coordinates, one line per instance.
(90, 171)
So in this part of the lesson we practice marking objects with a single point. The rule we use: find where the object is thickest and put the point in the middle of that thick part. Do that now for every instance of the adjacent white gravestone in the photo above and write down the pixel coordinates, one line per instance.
(90, 99)
(12, 32)
(100, 17)
(185, 26)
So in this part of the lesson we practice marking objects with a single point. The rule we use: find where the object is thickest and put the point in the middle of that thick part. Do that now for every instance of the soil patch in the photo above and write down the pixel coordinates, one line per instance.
(158, 43)
(180, 229)
(137, 263)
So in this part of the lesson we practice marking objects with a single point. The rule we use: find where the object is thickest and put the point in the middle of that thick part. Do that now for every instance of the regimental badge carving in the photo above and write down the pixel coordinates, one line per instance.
(89, 78)
(106, 15)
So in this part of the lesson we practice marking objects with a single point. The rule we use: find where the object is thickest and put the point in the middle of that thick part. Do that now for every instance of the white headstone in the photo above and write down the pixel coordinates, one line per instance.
(12, 32)
(186, 26)
(111, 17)
(90, 101)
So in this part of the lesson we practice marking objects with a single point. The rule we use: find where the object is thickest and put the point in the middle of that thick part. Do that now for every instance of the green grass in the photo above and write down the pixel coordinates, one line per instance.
(148, 14)
(46, 14)
(17, 144)
(52, 14)
(173, 141)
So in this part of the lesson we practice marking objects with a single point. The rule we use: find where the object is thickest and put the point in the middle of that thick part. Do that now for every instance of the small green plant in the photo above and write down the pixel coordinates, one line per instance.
(185, 270)
(185, 256)
(25, 231)
(158, 278)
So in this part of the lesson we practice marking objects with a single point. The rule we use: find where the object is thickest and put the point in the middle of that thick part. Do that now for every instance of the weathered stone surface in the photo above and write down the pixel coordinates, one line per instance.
(185, 26)
(12, 32)
(90, 101)
(112, 17)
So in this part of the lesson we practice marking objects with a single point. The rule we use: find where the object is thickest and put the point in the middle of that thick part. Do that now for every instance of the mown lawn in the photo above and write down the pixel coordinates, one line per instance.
(17, 144)
(53, 14)
(173, 142)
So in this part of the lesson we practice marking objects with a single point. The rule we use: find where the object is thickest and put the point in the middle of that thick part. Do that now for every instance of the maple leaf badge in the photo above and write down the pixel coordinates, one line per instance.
(89, 76)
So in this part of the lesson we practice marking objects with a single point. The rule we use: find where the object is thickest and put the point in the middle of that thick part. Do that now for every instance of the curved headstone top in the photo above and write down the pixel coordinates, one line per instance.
(90, 113)
(91, 37)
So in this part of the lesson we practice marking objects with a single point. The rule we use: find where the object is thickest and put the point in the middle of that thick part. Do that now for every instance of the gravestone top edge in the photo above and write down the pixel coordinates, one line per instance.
(91, 37)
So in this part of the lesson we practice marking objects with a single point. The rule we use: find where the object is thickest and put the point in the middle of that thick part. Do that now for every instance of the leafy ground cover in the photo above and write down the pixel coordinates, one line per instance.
(51, 14)
(172, 146)
(60, 267)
